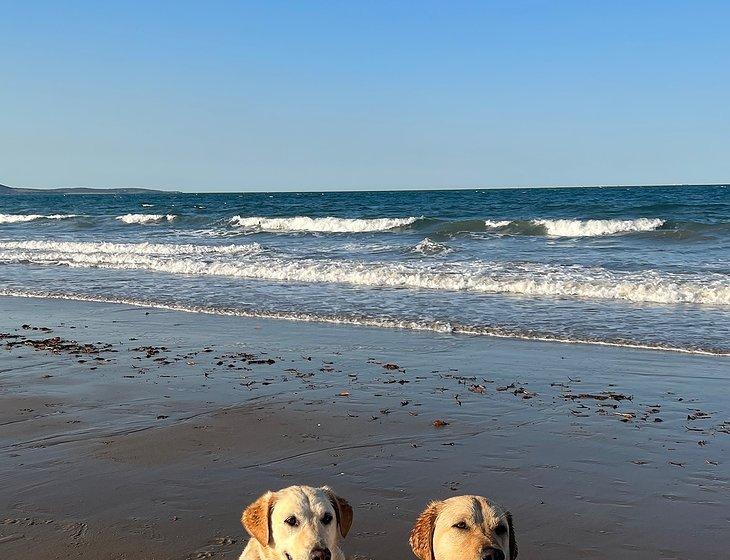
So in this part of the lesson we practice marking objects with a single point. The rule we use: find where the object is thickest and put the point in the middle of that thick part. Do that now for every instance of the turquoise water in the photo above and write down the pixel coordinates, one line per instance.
(643, 266)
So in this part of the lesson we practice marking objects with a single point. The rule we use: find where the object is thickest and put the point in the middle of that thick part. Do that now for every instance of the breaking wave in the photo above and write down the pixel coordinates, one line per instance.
(320, 225)
(123, 250)
(146, 218)
(487, 277)
(576, 228)
(18, 218)
(593, 228)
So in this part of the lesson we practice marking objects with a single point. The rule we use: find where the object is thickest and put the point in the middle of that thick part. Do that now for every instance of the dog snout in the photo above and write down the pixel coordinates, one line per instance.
(320, 554)
(492, 554)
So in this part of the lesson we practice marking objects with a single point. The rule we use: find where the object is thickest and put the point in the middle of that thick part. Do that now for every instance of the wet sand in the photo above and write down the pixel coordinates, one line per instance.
(148, 443)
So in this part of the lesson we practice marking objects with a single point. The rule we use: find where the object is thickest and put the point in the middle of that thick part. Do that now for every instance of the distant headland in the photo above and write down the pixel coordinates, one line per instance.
(6, 190)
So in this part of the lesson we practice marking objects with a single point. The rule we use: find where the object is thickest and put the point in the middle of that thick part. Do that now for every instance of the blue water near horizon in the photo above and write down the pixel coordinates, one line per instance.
(636, 266)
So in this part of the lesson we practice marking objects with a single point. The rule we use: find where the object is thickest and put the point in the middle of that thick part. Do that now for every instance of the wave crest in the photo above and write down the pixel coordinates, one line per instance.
(594, 228)
(497, 223)
(575, 228)
(328, 224)
(146, 218)
(19, 218)
(117, 250)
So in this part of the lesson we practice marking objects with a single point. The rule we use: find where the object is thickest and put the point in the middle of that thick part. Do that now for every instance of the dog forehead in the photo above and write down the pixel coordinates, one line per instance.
(475, 509)
(301, 500)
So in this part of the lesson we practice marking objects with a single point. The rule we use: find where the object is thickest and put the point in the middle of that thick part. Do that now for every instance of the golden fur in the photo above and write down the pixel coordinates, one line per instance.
(320, 519)
(464, 528)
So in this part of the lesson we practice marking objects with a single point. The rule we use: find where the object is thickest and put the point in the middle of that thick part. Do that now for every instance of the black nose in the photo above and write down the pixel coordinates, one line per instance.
(320, 554)
(492, 554)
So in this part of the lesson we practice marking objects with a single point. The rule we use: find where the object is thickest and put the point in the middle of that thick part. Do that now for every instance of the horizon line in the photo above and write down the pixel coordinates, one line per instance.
(265, 190)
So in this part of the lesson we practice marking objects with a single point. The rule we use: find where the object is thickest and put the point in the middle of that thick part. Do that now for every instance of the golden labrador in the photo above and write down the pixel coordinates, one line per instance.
(296, 523)
(464, 528)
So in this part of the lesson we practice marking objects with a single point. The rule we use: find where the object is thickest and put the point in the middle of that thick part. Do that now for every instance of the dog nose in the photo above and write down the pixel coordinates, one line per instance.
(320, 554)
(492, 554)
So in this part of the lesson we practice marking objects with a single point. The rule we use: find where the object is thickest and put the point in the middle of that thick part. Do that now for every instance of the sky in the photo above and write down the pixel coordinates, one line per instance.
(238, 96)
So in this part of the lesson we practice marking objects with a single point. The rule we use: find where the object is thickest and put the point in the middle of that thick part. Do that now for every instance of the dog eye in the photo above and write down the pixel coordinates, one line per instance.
(500, 529)
(292, 521)
(460, 525)
(326, 518)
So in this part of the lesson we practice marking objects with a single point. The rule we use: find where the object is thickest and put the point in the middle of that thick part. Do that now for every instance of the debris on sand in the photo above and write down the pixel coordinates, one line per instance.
(625, 416)
(5, 335)
(698, 415)
(609, 395)
(57, 345)
(506, 387)
(150, 351)
(267, 361)
(524, 393)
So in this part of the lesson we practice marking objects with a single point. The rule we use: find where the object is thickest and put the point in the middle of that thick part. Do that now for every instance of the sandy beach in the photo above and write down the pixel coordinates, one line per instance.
(142, 433)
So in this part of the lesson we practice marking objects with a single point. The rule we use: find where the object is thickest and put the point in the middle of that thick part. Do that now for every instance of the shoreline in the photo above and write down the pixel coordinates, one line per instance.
(150, 442)
(436, 327)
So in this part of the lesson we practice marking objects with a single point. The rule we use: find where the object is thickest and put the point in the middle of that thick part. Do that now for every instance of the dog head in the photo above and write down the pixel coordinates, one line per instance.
(464, 528)
(299, 522)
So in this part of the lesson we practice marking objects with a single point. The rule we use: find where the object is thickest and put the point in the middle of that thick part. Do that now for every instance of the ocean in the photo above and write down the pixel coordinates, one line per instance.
(630, 266)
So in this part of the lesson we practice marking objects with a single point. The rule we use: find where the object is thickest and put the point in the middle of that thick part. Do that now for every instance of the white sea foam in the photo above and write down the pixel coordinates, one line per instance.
(430, 247)
(18, 218)
(584, 228)
(593, 228)
(323, 225)
(146, 218)
(44, 249)
(496, 224)
(514, 278)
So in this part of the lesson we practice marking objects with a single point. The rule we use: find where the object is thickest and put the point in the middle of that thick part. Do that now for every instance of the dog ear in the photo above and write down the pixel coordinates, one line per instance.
(343, 511)
(422, 533)
(512, 537)
(256, 518)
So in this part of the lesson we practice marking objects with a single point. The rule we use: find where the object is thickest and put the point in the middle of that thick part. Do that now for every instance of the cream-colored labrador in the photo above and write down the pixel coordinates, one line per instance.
(464, 528)
(296, 523)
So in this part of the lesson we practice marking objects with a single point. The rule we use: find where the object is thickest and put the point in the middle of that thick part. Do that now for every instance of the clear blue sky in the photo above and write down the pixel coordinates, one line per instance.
(342, 95)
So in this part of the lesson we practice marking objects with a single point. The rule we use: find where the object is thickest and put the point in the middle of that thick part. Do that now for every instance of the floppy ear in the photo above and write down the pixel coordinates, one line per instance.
(512, 537)
(257, 517)
(343, 511)
(422, 533)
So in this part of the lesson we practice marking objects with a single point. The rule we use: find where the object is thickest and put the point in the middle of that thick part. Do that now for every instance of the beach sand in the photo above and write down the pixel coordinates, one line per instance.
(148, 444)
